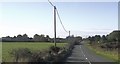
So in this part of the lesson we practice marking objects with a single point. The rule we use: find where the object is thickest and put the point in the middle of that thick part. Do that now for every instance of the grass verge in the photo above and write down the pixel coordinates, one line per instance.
(113, 55)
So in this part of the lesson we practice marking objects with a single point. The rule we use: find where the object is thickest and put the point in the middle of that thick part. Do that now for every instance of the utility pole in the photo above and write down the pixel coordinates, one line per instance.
(69, 33)
(55, 25)
(55, 10)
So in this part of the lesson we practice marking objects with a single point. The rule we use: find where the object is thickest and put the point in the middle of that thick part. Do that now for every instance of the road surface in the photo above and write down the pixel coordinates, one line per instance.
(81, 53)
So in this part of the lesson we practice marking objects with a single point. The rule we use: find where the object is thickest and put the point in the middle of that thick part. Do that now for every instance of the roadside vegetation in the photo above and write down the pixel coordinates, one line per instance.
(37, 50)
(41, 48)
(106, 46)
(7, 47)
(113, 54)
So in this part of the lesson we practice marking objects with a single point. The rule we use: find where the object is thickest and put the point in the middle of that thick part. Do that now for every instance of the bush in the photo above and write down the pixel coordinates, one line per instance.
(54, 49)
(37, 57)
(21, 55)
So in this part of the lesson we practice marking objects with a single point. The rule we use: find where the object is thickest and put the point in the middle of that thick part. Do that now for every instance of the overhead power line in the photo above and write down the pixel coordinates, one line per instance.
(50, 3)
(61, 21)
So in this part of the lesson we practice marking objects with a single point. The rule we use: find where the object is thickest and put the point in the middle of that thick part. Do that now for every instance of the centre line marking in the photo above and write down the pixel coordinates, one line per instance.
(84, 55)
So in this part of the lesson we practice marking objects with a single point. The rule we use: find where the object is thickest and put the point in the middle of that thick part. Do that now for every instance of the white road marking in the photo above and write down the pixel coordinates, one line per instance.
(84, 55)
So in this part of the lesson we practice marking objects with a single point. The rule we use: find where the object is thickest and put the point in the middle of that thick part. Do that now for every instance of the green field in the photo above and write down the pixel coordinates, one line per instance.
(33, 46)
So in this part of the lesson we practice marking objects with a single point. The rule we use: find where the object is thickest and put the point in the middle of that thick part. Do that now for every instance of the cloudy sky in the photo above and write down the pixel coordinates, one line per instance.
(81, 18)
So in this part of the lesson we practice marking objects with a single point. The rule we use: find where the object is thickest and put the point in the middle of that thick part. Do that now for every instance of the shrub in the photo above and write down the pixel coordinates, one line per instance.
(37, 57)
(21, 55)
(54, 49)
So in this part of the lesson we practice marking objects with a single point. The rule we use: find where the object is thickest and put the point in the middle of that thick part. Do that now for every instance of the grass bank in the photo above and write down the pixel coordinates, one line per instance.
(113, 55)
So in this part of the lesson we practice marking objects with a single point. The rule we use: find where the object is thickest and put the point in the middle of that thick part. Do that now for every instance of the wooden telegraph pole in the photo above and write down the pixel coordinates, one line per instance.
(69, 33)
(55, 10)
(55, 25)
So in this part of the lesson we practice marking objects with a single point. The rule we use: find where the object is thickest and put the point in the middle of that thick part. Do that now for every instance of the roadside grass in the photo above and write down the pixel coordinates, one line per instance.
(113, 55)
(7, 47)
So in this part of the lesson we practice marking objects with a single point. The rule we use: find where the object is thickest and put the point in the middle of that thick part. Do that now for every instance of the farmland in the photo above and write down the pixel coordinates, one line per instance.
(33, 46)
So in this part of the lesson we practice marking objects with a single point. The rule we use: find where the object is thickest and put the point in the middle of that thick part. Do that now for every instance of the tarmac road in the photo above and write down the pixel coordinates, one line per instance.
(81, 53)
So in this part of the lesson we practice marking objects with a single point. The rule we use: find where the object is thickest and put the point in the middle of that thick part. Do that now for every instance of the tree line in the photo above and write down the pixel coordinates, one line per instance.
(25, 38)
(109, 41)
(38, 38)
(112, 37)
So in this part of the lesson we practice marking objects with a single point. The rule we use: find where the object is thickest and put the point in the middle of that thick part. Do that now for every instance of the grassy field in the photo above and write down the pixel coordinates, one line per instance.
(8, 46)
(113, 55)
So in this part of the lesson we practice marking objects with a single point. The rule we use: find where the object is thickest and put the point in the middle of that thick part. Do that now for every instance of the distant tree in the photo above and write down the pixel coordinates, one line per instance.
(31, 39)
(14, 38)
(103, 39)
(91, 39)
(25, 37)
(42, 38)
(7, 39)
(36, 38)
(42, 35)
(97, 38)
(19, 38)
(78, 38)
(48, 38)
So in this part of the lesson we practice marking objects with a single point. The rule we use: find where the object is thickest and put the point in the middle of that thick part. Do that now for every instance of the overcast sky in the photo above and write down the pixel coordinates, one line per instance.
(81, 18)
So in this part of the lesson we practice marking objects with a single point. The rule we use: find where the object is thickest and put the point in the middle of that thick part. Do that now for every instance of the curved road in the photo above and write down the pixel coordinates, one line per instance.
(81, 53)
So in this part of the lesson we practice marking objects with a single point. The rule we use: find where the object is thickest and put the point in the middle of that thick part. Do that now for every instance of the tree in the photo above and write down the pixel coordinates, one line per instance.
(19, 38)
(97, 38)
(42, 38)
(7, 38)
(25, 37)
(78, 40)
(48, 38)
(103, 39)
(91, 39)
(114, 36)
(39, 38)
(36, 38)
